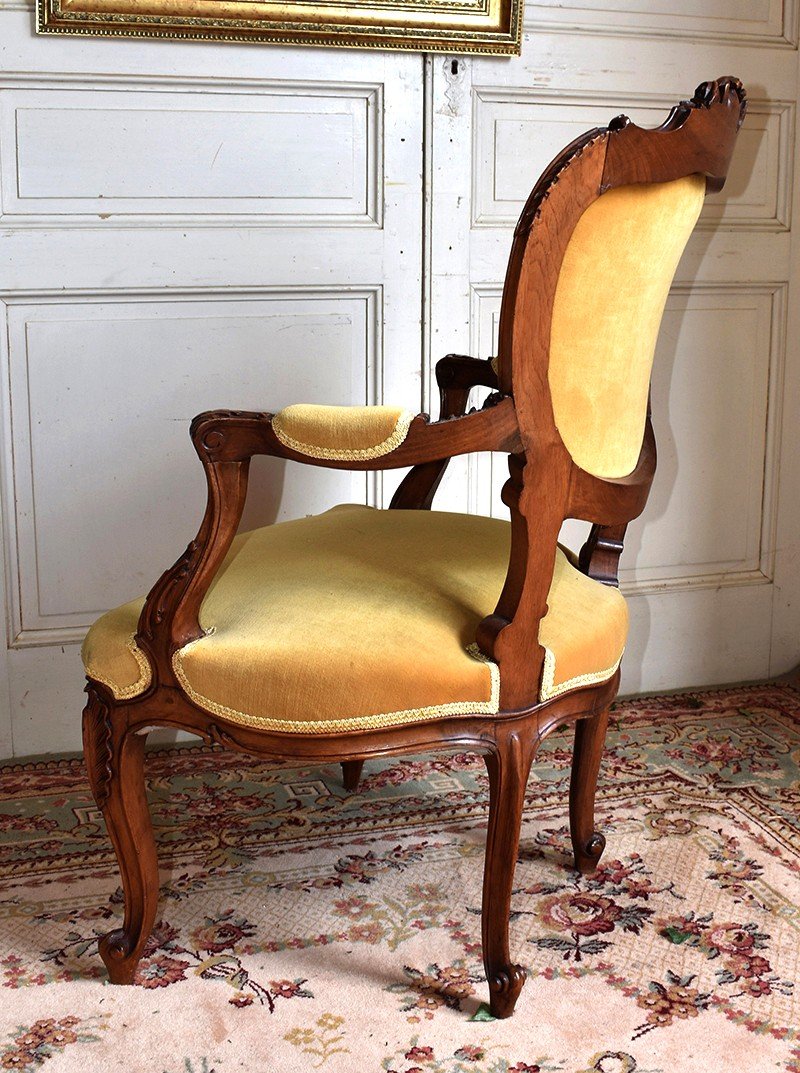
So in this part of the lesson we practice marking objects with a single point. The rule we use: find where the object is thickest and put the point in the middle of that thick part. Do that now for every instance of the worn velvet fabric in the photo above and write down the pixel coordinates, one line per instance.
(362, 618)
(609, 301)
(345, 433)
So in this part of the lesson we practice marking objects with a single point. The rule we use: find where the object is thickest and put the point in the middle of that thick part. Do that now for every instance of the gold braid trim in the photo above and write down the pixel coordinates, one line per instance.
(549, 690)
(353, 454)
(357, 722)
(141, 683)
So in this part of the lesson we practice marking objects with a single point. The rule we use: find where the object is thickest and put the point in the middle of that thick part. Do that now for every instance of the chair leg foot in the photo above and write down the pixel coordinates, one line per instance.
(116, 950)
(115, 761)
(351, 773)
(587, 856)
(504, 991)
(508, 770)
(587, 844)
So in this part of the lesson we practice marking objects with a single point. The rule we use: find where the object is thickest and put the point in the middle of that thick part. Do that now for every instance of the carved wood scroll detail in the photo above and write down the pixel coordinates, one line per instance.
(167, 591)
(97, 745)
(599, 557)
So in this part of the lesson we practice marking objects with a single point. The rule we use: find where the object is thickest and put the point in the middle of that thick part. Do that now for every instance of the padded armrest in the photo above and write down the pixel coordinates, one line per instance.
(342, 433)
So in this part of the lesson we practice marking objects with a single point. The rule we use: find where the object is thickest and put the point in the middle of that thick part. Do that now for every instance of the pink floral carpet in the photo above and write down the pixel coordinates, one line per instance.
(304, 928)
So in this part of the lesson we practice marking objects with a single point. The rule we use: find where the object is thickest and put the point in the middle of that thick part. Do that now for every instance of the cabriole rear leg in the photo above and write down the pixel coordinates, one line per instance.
(508, 770)
(351, 773)
(587, 844)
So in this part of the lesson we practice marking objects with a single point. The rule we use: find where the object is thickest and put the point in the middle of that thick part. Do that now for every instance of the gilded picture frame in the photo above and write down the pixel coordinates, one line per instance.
(458, 26)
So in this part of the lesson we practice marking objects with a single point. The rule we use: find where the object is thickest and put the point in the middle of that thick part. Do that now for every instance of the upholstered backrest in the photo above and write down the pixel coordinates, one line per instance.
(594, 253)
(609, 300)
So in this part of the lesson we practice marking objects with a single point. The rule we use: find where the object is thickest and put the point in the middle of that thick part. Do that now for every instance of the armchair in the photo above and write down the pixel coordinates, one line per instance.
(362, 633)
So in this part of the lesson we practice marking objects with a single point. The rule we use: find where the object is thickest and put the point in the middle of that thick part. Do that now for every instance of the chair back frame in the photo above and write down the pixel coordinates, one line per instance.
(546, 486)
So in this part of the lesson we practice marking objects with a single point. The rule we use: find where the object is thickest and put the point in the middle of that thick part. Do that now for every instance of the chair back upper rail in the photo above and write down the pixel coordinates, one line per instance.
(546, 485)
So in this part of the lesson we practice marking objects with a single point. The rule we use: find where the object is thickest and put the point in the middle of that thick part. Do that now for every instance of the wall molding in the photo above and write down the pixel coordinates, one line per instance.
(762, 570)
(484, 303)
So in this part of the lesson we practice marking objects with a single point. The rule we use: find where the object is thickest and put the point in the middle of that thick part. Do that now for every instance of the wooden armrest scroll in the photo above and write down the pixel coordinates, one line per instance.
(234, 436)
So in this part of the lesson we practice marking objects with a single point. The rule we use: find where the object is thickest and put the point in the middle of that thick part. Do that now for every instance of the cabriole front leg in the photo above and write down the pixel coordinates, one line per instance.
(587, 844)
(508, 770)
(115, 761)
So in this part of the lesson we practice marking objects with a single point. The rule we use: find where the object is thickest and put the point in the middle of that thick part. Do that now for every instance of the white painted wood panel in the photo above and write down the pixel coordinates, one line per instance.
(719, 350)
(771, 22)
(193, 225)
(716, 378)
(129, 373)
(517, 133)
(201, 153)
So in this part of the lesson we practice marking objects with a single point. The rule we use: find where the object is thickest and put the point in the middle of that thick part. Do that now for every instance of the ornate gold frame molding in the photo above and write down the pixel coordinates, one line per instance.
(468, 26)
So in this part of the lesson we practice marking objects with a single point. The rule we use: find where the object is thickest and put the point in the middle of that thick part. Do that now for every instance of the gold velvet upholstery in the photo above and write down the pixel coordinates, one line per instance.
(342, 433)
(609, 301)
(362, 618)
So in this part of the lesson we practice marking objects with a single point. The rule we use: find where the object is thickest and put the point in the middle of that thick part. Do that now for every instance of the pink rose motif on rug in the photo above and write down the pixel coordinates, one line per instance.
(34, 1044)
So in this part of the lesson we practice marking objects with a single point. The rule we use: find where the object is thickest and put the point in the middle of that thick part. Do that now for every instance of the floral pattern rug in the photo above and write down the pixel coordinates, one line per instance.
(302, 927)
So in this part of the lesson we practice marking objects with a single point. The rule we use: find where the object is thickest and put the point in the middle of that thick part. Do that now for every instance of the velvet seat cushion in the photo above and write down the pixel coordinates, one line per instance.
(361, 618)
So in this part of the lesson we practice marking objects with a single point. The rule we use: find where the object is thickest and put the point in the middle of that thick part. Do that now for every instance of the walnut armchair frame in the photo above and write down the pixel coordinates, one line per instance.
(545, 487)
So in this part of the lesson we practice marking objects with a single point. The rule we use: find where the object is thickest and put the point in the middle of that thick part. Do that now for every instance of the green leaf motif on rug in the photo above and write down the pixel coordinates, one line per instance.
(482, 1013)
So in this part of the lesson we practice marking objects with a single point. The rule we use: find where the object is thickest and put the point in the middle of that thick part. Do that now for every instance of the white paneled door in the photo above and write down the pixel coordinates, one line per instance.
(711, 568)
(183, 228)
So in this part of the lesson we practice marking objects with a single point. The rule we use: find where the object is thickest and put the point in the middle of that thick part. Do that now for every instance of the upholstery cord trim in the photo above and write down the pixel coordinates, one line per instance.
(549, 690)
(141, 683)
(358, 722)
(341, 454)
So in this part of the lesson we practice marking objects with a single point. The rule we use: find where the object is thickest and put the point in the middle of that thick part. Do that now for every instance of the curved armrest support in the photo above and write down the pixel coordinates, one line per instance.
(456, 375)
(599, 557)
(170, 616)
(458, 372)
